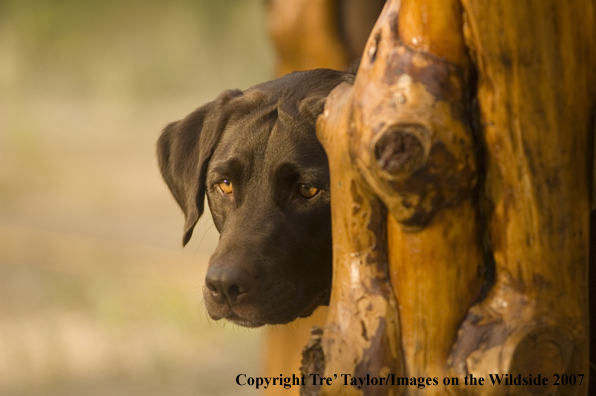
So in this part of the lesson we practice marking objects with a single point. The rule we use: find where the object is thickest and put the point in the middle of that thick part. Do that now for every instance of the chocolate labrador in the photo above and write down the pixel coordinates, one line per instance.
(256, 156)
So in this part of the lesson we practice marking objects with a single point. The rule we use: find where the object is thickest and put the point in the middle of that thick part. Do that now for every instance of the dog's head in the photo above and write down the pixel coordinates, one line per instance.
(255, 155)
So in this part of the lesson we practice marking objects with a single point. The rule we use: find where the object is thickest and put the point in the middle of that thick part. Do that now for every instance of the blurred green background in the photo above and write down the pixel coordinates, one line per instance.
(97, 297)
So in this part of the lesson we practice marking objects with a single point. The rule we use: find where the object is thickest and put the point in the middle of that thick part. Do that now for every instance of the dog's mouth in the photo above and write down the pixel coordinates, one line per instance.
(225, 311)
(251, 315)
(236, 319)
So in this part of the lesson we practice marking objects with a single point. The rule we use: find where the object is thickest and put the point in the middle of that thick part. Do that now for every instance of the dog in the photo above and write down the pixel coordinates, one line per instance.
(256, 157)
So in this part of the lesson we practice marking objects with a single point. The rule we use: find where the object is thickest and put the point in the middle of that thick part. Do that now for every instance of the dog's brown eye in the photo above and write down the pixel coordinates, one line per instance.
(307, 191)
(226, 186)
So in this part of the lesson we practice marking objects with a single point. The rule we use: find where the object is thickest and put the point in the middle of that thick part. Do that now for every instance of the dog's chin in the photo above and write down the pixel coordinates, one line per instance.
(247, 315)
(243, 322)
(251, 319)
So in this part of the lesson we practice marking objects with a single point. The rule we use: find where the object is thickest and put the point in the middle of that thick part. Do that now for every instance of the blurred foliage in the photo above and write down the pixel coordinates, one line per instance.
(96, 296)
(131, 48)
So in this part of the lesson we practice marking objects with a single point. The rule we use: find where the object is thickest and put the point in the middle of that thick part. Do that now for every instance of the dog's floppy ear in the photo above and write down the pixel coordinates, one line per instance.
(183, 153)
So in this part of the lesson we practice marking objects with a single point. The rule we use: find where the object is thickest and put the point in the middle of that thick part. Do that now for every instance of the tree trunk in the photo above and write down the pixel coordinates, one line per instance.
(461, 175)
(305, 35)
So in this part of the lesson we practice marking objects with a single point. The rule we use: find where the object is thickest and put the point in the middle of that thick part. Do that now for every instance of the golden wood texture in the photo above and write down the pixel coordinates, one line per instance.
(417, 152)
(362, 332)
(401, 134)
(404, 138)
(460, 172)
(433, 27)
(305, 35)
(536, 94)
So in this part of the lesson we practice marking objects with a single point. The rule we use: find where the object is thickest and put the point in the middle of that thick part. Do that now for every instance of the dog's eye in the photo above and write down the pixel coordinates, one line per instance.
(226, 186)
(307, 191)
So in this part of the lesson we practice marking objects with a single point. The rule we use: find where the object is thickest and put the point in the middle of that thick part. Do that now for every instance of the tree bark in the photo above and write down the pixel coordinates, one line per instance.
(460, 167)
(536, 96)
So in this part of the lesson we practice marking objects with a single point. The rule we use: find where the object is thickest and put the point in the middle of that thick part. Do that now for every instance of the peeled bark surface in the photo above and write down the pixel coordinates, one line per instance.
(362, 332)
(460, 165)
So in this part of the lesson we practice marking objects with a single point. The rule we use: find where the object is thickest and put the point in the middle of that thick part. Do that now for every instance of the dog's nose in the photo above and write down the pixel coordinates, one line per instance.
(228, 283)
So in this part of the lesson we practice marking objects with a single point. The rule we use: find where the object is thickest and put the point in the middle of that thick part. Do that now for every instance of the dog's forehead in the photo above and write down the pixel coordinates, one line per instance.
(246, 135)
(295, 142)
(269, 132)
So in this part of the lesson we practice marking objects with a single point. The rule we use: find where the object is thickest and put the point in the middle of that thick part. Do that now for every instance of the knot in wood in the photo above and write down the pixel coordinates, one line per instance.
(400, 151)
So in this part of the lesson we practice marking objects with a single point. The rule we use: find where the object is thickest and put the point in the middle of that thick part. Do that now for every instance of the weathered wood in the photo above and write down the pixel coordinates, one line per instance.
(362, 332)
(406, 127)
(305, 35)
(310, 34)
(536, 95)
(464, 144)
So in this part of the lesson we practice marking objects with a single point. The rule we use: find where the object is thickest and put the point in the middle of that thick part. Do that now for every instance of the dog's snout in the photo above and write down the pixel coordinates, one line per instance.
(227, 283)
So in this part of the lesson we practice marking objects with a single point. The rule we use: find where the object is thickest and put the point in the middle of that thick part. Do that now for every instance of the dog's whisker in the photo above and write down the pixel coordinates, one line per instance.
(198, 287)
(298, 327)
(273, 328)
(202, 311)
(293, 329)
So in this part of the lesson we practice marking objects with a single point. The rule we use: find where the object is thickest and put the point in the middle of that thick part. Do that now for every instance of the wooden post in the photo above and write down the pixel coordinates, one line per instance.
(460, 170)
(305, 35)
(536, 95)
